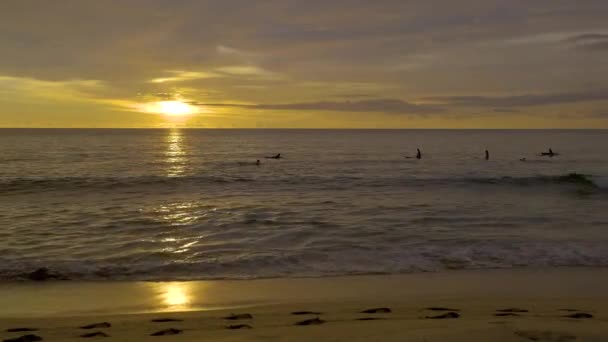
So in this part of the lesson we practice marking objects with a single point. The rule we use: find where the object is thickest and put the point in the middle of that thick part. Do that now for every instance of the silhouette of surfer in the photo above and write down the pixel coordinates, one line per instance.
(277, 156)
(487, 155)
(418, 154)
(548, 154)
(257, 162)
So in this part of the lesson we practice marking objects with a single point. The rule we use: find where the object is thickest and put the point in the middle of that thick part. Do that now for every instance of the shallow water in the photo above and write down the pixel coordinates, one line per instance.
(191, 204)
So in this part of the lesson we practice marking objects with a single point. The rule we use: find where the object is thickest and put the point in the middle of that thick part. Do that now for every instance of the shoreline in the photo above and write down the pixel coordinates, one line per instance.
(65, 298)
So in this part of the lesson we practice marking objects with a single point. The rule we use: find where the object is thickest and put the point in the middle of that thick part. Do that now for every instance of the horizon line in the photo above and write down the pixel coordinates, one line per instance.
(313, 128)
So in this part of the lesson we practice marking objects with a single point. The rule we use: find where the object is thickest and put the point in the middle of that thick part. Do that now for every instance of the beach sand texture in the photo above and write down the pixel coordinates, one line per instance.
(452, 306)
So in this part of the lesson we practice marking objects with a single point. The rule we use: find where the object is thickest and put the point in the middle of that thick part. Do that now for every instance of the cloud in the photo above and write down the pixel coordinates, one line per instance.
(180, 75)
(505, 110)
(228, 51)
(354, 87)
(541, 38)
(352, 95)
(389, 106)
(528, 100)
(286, 54)
(590, 41)
(247, 70)
(588, 37)
(598, 114)
(594, 41)
(247, 56)
(416, 61)
(75, 89)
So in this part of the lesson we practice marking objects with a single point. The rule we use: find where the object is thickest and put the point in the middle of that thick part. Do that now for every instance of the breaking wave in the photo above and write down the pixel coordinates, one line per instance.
(8, 185)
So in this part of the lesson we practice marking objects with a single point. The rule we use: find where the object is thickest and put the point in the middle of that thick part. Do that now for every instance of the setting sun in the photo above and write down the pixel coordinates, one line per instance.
(175, 108)
(170, 108)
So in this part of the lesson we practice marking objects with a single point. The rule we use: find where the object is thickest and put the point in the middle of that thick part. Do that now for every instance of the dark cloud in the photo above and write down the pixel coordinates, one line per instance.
(528, 100)
(352, 96)
(590, 41)
(598, 114)
(130, 39)
(390, 106)
(587, 37)
(438, 104)
(597, 46)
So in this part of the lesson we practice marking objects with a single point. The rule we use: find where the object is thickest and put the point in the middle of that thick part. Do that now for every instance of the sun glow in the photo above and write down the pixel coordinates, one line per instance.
(176, 294)
(170, 108)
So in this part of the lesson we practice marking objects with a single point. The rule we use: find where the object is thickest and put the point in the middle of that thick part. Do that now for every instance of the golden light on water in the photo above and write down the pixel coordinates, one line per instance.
(175, 296)
(175, 154)
(179, 296)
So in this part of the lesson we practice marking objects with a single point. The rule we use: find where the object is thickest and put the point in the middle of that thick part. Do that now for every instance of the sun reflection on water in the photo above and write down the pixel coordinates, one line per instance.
(176, 296)
(178, 214)
(175, 154)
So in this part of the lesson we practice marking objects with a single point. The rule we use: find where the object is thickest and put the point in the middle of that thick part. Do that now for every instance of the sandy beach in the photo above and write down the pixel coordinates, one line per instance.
(497, 305)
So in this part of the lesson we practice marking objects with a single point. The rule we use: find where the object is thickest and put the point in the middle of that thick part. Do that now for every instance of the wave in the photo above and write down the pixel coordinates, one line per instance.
(76, 183)
(570, 178)
(332, 261)
(37, 185)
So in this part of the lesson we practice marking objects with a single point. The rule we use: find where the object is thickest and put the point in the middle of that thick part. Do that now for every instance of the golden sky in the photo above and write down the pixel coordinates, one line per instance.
(304, 63)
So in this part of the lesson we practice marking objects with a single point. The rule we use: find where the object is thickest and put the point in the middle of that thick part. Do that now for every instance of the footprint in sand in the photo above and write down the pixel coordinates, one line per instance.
(164, 320)
(512, 310)
(507, 314)
(445, 316)
(545, 336)
(435, 308)
(234, 317)
(298, 313)
(96, 325)
(376, 310)
(239, 326)
(580, 315)
(95, 334)
(370, 318)
(313, 321)
(24, 338)
(167, 332)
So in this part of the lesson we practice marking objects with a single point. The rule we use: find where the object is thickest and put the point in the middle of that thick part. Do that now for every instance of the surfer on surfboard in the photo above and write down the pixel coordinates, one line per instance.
(549, 154)
(418, 155)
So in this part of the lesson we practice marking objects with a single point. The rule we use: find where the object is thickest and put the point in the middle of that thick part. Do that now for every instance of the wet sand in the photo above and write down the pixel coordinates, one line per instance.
(501, 305)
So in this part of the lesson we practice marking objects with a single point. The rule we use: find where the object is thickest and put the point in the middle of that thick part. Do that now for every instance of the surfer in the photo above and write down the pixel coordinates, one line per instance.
(487, 155)
(523, 159)
(277, 156)
(257, 162)
(548, 154)
(418, 154)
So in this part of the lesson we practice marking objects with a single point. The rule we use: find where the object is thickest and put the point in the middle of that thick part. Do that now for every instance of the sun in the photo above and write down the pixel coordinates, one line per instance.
(175, 108)
(170, 108)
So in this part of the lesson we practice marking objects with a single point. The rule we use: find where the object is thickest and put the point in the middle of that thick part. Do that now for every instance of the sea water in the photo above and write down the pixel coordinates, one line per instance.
(193, 204)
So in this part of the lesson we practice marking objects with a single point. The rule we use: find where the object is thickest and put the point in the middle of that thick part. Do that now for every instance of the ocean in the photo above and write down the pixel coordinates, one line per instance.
(181, 204)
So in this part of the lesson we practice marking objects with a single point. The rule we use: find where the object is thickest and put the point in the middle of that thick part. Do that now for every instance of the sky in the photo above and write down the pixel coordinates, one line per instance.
(304, 63)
